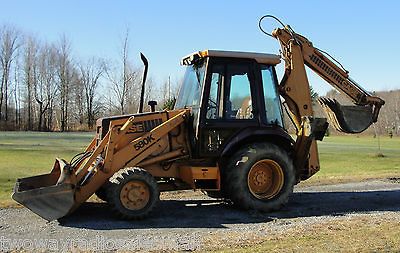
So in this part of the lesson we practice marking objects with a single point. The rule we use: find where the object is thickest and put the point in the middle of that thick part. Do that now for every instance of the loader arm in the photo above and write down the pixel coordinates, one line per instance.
(68, 185)
(115, 159)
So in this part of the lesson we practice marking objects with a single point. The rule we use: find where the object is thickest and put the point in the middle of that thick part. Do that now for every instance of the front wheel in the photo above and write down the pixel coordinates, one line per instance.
(133, 194)
(260, 176)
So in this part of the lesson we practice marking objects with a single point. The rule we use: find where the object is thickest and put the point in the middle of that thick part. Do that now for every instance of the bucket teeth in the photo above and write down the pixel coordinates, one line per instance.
(329, 107)
(347, 119)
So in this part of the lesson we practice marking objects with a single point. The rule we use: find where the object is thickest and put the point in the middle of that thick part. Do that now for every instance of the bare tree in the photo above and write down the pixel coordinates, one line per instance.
(90, 74)
(8, 47)
(397, 113)
(168, 93)
(30, 70)
(65, 75)
(122, 82)
(45, 88)
(17, 97)
(166, 90)
(149, 90)
(78, 102)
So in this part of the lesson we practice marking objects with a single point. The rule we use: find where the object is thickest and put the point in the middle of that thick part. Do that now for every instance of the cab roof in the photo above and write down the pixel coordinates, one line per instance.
(270, 59)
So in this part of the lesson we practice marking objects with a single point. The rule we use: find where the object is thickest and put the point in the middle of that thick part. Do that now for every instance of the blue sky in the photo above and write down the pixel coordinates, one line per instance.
(362, 35)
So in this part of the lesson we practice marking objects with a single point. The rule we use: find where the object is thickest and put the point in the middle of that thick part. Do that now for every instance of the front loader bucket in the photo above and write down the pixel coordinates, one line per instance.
(43, 196)
(347, 118)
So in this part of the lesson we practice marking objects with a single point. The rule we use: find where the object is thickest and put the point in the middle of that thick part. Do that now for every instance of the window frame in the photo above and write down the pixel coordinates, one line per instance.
(254, 76)
(200, 91)
(263, 111)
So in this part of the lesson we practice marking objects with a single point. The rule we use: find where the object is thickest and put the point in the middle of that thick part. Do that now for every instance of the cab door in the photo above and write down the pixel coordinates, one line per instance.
(229, 103)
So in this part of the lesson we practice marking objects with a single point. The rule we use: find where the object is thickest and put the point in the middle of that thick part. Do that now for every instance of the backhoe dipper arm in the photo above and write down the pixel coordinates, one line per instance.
(335, 75)
(299, 52)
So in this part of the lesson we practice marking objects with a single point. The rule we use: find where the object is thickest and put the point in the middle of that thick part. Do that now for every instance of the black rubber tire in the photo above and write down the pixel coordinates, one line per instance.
(237, 170)
(124, 176)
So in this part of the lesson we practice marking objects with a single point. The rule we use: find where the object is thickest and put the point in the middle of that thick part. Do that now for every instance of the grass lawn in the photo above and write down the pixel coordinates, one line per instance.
(25, 154)
(343, 158)
(353, 158)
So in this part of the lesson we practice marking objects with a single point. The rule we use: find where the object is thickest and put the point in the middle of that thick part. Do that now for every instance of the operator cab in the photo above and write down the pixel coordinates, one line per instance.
(230, 94)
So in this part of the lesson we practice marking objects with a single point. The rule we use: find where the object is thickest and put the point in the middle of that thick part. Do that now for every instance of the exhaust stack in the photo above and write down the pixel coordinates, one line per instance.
(146, 67)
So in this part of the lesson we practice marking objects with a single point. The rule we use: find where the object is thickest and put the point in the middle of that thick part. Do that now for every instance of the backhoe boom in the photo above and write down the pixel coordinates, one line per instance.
(335, 75)
(294, 87)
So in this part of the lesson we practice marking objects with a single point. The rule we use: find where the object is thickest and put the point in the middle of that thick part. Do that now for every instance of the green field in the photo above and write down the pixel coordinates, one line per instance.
(351, 158)
(25, 154)
(343, 158)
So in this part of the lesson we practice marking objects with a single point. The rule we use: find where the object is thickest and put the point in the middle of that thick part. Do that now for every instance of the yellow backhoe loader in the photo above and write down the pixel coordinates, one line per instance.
(226, 136)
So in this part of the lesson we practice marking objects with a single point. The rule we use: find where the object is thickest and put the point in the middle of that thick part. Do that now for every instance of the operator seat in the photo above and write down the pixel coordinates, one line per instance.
(246, 110)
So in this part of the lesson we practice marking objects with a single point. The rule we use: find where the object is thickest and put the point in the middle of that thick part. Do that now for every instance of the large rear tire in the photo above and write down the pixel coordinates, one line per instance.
(133, 194)
(260, 176)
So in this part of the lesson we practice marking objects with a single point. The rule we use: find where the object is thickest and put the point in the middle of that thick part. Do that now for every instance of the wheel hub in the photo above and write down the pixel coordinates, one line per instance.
(135, 195)
(265, 179)
(261, 177)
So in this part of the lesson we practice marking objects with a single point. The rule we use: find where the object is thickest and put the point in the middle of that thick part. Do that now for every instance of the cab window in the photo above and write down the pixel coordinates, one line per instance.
(272, 100)
(190, 92)
(230, 94)
(239, 102)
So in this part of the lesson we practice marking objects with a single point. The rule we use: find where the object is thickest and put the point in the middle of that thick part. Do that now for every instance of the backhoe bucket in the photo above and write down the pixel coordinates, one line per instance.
(347, 118)
(43, 194)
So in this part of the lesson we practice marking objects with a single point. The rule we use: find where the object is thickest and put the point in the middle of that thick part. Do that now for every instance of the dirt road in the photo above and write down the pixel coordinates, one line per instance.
(192, 221)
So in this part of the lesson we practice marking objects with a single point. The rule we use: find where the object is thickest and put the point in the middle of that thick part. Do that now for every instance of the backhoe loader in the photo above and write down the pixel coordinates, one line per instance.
(225, 136)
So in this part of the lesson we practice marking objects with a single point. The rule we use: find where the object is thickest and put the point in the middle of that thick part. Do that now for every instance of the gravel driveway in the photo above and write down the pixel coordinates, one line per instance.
(191, 221)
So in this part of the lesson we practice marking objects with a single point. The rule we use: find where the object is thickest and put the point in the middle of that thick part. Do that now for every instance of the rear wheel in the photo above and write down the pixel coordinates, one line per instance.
(260, 176)
(133, 194)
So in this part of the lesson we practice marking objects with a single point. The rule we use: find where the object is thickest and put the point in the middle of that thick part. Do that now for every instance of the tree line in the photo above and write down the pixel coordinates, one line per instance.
(44, 88)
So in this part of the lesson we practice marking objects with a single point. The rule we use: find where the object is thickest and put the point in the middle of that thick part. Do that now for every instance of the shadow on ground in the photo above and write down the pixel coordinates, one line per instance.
(216, 214)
